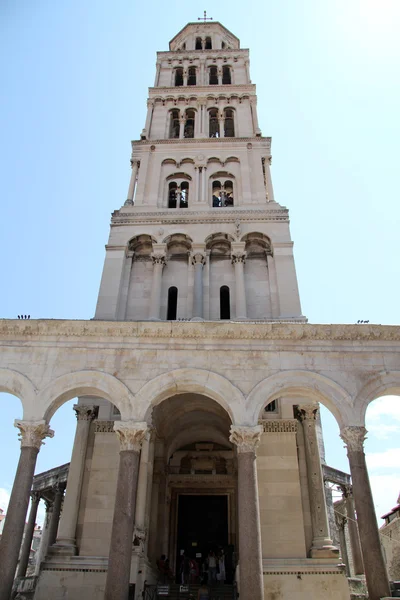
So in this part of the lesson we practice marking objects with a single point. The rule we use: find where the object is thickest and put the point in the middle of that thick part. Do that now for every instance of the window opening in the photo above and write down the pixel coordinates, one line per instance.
(199, 44)
(216, 194)
(227, 193)
(172, 193)
(229, 126)
(174, 127)
(223, 45)
(226, 76)
(178, 77)
(172, 303)
(213, 76)
(224, 302)
(192, 76)
(184, 195)
(271, 407)
(208, 43)
(214, 123)
(188, 131)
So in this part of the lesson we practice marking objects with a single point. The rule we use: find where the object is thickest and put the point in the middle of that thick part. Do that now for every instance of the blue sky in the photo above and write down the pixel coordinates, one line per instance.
(74, 81)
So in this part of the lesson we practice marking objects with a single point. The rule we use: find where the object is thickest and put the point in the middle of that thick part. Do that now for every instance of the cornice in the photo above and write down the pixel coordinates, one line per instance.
(179, 55)
(207, 90)
(227, 216)
(200, 141)
(211, 330)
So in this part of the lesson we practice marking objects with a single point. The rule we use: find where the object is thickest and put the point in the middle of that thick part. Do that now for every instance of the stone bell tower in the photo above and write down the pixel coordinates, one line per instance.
(200, 235)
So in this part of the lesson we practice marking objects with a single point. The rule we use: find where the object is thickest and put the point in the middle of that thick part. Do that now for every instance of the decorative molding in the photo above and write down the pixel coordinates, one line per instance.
(158, 258)
(337, 572)
(245, 438)
(279, 425)
(104, 427)
(32, 433)
(354, 436)
(233, 142)
(250, 330)
(75, 569)
(131, 434)
(221, 215)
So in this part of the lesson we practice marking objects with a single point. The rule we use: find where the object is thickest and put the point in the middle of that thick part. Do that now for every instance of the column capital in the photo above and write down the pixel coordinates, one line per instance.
(85, 412)
(35, 497)
(307, 411)
(245, 438)
(354, 436)
(32, 433)
(198, 258)
(239, 256)
(347, 490)
(135, 162)
(131, 434)
(159, 258)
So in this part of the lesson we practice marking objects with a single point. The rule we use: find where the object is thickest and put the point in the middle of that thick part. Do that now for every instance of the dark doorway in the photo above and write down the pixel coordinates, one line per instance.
(224, 303)
(172, 303)
(202, 526)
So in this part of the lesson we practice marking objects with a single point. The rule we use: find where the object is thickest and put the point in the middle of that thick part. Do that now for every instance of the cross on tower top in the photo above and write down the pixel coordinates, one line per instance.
(205, 18)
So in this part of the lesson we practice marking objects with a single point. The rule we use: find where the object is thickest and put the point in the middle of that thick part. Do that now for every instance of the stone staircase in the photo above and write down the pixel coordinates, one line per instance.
(218, 592)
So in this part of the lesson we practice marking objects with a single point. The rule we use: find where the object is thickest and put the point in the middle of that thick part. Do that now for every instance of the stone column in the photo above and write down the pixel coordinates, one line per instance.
(375, 570)
(185, 77)
(132, 184)
(146, 131)
(182, 120)
(221, 122)
(141, 498)
(131, 435)
(158, 257)
(270, 189)
(322, 546)
(198, 260)
(204, 188)
(29, 529)
(154, 538)
(238, 259)
(253, 107)
(341, 524)
(246, 440)
(66, 539)
(246, 64)
(55, 517)
(44, 541)
(219, 76)
(32, 434)
(197, 174)
(353, 530)
(149, 491)
(157, 77)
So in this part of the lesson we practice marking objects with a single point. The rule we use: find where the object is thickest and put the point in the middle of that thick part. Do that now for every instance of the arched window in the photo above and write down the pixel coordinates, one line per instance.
(172, 303)
(226, 75)
(192, 76)
(208, 43)
(199, 44)
(188, 131)
(184, 196)
(172, 193)
(223, 45)
(174, 125)
(178, 77)
(214, 123)
(229, 126)
(213, 80)
(222, 193)
(224, 303)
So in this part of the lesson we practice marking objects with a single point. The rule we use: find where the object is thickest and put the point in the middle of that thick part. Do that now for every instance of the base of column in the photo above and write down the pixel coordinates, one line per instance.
(63, 548)
(325, 552)
(197, 319)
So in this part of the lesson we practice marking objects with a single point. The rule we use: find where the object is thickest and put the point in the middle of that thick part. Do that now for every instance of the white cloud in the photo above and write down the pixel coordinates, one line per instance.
(388, 459)
(4, 499)
(385, 490)
(382, 431)
(388, 406)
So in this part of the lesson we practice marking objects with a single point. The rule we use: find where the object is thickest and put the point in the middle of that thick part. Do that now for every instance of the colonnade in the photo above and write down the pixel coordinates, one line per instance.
(134, 493)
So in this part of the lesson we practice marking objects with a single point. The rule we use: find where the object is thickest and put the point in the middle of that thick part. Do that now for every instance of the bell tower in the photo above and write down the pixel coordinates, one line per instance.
(200, 235)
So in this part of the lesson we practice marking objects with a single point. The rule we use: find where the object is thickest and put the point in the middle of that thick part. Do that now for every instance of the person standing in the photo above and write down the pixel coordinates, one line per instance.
(221, 565)
(212, 568)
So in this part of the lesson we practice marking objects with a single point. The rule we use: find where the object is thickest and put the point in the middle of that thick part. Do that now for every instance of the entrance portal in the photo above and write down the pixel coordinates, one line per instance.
(202, 526)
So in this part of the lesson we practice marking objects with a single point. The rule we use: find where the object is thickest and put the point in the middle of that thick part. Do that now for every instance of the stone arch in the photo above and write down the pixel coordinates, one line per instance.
(186, 436)
(384, 383)
(84, 383)
(182, 381)
(300, 383)
(13, 382)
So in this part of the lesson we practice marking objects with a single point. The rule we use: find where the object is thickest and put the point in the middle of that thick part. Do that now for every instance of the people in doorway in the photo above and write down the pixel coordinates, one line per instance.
(161, 568)
(221, 575)
(185, 569)
(194, 571)
(203, 593)
(212, 568)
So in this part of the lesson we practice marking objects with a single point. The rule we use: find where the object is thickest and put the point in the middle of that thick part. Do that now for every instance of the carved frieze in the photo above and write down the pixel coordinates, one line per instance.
(104, 427)
(279, 425)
